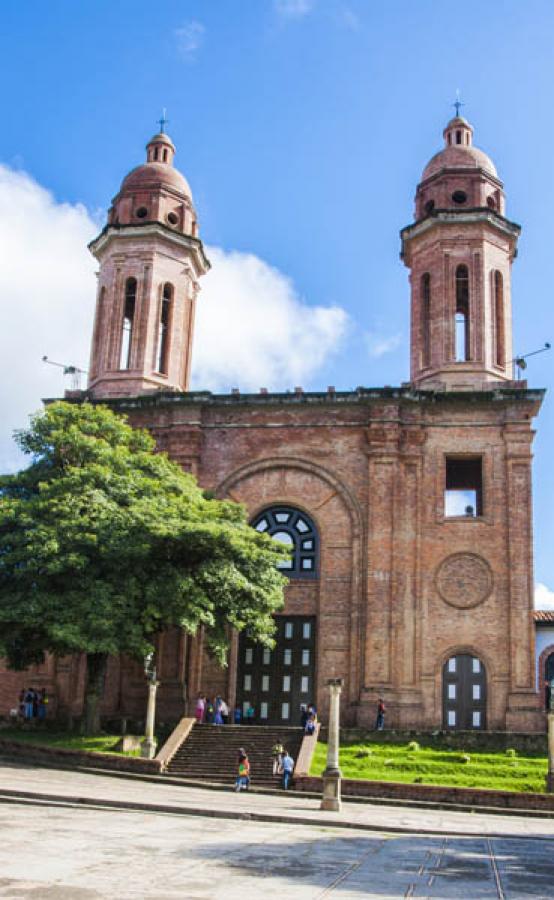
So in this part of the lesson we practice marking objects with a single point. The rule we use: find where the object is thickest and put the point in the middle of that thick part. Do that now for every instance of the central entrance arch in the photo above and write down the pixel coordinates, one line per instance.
(276, 683)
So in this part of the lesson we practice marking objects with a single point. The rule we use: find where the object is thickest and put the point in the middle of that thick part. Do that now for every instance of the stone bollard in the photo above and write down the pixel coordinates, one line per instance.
(331, 799)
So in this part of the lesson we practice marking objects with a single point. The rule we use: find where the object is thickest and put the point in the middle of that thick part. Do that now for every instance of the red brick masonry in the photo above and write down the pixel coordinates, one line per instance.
(433, 793)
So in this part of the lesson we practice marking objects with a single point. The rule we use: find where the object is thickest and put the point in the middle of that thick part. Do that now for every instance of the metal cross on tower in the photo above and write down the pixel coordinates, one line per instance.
(457, 103)
(163, 121)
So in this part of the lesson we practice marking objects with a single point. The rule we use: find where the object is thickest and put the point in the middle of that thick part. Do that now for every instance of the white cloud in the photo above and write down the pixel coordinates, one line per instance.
(252, 329)
(349, 19)
(47, 294)
(190, 38)
(544, 597)
(378, 344)
(293, 9)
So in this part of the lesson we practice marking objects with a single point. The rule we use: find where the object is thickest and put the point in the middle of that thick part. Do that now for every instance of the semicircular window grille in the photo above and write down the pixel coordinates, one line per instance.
(295, 529)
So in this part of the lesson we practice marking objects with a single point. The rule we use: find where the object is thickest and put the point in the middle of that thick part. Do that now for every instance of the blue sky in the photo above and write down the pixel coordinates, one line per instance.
(303, 127)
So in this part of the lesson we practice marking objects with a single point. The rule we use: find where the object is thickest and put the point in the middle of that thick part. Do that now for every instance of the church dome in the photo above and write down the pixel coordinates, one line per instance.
(459, 152)
(153, 175)
(158, 170)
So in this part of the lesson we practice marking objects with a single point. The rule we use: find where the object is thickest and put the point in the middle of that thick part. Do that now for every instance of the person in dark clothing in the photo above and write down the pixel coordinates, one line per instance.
(380, 723)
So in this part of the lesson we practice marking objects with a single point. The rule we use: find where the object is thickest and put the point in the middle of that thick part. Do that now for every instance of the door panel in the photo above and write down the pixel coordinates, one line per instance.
(278, 681)
(464, 693)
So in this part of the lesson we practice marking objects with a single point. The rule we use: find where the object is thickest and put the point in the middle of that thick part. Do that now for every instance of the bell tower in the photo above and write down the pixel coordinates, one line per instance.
(151, 259)
(460, 250)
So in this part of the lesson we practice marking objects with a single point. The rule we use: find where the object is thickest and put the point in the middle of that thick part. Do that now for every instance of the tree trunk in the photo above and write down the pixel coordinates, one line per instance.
(96, 675)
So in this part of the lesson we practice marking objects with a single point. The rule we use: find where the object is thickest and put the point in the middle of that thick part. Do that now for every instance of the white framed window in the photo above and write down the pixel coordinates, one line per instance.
(286, 684)
(452, 664)
(285, 707)
(263, 711)
(476, 719)
(305, 657)
(307, 631)
(476, 665)
(265, 683)
(266, 657)
(476, 691)
(304, 684)
(247, 683)
(287, 657)
(248, 656)
(451, 717)
(289, 630)
(451, 691)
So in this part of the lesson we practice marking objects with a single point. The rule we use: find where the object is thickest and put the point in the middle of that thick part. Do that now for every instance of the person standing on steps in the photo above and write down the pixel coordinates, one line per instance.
(277, 752)
(199, 709)
(243, 777)
(380, 722)
(287, 765)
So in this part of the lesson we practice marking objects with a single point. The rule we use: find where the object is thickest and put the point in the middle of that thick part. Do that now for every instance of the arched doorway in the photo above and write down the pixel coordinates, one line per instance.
(548, 677)
(276, 683)
(464, 693)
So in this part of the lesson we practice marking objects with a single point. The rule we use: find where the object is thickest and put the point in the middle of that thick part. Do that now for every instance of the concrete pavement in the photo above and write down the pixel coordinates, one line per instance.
(58, 849)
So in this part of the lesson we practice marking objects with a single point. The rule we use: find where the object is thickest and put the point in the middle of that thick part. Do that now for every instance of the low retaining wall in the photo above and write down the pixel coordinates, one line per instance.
(27, 752)
(394, 790)
(482, 741)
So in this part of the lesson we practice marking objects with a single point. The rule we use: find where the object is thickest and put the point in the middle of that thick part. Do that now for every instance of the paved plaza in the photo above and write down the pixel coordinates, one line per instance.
(56, 848)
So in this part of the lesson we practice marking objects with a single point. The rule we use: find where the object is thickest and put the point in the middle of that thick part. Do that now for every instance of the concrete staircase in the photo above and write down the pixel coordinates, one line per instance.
(209, 753)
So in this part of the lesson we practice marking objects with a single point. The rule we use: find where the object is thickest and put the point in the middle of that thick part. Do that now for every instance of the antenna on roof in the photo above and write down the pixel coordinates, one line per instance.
(519, 361)
(74, 371)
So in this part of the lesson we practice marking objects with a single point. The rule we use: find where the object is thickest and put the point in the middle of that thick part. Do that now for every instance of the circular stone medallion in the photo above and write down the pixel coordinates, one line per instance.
(464, 580)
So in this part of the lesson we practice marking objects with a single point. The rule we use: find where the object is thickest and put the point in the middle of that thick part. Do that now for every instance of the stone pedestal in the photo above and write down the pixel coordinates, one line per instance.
(331, 799)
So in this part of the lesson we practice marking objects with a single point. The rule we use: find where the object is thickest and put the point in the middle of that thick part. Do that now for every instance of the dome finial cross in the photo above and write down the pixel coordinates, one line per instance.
(457, 103)
(163, 121)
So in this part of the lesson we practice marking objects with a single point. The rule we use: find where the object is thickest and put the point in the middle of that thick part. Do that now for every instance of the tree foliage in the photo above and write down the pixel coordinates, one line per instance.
(104, 543)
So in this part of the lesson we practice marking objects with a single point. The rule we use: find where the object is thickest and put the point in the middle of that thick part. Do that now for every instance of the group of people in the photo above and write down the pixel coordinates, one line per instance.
(283, 765)
(308, 718)
(216, 712)
(211, 712)
(33, 704)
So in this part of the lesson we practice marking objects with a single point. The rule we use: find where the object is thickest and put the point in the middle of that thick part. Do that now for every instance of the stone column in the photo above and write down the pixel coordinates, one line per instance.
(148, 749)
(331, 799)
(550, 715)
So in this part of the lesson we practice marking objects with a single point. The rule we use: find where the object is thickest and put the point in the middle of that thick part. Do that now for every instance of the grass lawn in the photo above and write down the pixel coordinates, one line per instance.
(429, 763)
(100, 743)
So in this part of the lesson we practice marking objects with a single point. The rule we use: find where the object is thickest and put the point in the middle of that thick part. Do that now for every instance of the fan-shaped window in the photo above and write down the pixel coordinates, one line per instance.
(128, 320)
(462, 314)
(425, 320)
(162, 361)
(297, 531)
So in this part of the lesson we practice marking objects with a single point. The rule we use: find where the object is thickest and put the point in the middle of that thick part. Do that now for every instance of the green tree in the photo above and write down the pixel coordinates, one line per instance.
(104, 543)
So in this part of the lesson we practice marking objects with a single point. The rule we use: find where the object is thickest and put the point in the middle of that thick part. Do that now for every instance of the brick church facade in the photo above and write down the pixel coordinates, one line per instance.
(408, 509)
